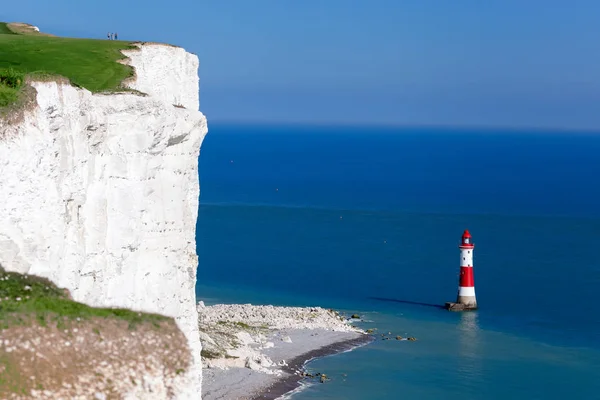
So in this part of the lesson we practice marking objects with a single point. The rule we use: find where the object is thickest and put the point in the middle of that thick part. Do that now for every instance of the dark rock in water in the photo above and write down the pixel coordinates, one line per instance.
(355, 316)
(398, 337)
(412, 339)
(323, 378)
(291, 382)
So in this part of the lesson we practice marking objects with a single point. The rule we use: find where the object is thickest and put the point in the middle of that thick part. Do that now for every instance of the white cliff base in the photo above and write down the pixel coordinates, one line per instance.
(100, 192)
(251, 350)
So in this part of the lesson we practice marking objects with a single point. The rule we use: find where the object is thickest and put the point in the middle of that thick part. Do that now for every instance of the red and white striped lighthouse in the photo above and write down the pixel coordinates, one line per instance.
(466, 284)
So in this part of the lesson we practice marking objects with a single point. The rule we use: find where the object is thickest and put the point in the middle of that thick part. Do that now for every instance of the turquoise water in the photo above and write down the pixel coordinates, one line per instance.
(369, 221)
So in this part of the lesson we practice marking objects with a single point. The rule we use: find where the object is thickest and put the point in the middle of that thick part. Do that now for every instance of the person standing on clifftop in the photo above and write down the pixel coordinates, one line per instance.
(108, 35)
(116, 36)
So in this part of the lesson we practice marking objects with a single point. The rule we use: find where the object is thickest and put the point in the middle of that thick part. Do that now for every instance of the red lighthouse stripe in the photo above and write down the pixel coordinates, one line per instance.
(466, 277)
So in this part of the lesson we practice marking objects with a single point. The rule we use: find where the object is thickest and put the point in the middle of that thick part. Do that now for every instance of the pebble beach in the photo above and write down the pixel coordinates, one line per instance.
(258, 352)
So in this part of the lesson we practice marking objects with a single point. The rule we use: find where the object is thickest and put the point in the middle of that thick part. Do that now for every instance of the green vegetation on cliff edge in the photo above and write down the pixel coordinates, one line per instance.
(25, 298)
(4, 29)
(87, 63)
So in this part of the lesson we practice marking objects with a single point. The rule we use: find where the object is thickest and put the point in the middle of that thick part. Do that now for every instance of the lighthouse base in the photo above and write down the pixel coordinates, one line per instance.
(459, 307)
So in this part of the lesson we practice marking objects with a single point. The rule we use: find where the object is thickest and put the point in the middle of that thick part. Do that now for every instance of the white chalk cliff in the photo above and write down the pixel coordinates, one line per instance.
(99, 193)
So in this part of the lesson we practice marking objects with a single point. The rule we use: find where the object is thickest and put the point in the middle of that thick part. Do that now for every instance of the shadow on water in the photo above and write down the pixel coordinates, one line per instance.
(417, 303)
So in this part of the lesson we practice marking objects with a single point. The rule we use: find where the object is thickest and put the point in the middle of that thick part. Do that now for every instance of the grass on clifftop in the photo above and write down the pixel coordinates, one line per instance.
(4, 29)
(87, 63)
(27, 297)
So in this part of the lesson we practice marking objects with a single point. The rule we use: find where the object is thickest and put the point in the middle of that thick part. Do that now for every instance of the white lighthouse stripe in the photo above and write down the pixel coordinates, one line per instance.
(466, 257)
(466, 291)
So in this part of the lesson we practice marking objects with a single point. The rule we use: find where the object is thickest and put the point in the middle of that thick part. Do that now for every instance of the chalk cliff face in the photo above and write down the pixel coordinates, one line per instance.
(99, 193)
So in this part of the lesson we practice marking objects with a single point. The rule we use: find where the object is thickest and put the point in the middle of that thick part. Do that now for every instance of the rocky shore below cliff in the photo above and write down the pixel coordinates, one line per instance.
(258, 352)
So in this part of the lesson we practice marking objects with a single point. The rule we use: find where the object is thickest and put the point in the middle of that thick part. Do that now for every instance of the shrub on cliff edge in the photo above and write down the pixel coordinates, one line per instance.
(10, 84)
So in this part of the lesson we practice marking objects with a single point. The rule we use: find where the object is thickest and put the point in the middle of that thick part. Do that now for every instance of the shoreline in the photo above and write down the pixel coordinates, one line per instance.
(260, 352)
(298, 364)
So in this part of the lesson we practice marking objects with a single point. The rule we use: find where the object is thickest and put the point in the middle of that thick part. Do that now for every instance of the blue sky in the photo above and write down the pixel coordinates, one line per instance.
(471, 62)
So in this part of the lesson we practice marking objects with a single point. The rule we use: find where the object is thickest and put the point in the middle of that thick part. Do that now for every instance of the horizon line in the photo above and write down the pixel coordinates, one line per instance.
(470, 127)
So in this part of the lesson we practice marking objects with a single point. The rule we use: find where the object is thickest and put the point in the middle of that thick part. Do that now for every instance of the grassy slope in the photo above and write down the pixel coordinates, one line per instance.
(88, 63)
(28, 301)
(26, 297)
(4, 29)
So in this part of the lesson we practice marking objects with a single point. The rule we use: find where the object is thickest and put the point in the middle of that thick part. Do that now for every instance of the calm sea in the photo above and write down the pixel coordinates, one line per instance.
(368, 220)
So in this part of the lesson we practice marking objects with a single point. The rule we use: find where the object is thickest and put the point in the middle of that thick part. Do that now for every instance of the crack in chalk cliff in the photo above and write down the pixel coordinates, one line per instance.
(176, 140)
